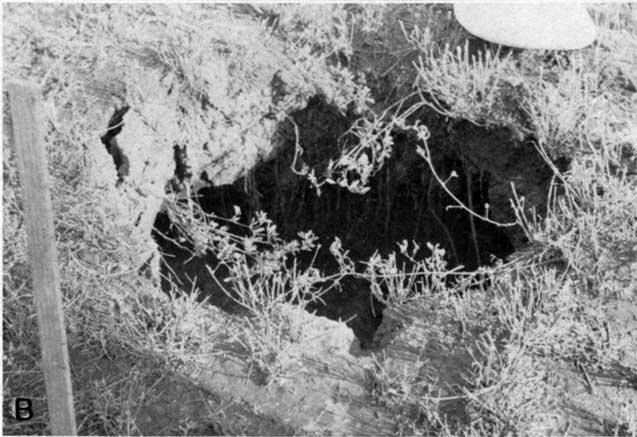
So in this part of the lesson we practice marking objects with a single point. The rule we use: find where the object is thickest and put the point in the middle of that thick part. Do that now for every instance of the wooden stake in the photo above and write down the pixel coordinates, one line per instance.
(28, 137)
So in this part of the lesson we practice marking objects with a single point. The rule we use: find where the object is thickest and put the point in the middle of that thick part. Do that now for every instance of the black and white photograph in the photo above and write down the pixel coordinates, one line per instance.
(319, 218)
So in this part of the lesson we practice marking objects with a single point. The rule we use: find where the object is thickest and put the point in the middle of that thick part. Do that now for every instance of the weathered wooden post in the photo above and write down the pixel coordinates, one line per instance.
(27, 127)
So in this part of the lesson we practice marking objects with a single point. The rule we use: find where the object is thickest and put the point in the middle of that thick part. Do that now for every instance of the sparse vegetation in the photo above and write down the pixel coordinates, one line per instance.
(540, 342)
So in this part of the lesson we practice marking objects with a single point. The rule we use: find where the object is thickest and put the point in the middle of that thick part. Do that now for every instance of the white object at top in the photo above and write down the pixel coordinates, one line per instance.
(551, 26)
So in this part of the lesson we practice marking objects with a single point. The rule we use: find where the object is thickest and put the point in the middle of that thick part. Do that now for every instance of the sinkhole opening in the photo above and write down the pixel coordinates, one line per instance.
(405, 202)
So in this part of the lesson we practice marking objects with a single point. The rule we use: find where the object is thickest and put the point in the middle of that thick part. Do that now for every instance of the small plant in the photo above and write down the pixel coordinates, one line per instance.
(259, 272)
(395, 283)
(590, 223)
(478, 88)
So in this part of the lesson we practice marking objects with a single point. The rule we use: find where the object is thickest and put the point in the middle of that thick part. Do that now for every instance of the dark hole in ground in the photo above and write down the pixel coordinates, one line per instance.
(404, 202)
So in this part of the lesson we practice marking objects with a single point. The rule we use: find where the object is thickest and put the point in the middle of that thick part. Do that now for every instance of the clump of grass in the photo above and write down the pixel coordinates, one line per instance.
(591, 225)
(384, 54)
(476, 87)
(259, 272)
(395, 283)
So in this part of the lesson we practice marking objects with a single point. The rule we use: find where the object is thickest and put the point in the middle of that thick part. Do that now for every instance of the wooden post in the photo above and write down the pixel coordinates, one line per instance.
(28, 137)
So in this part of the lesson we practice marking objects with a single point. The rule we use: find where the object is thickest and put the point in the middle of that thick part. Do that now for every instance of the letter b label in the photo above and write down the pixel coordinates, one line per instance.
(23, 409)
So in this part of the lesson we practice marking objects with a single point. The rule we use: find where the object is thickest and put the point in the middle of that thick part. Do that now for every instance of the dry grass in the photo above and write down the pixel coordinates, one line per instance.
(547, 309)
(552, 304)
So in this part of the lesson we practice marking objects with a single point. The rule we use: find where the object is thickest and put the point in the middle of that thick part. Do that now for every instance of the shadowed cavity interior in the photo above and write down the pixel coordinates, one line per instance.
(405, 202)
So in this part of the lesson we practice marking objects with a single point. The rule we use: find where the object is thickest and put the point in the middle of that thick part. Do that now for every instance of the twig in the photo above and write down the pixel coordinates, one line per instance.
(426, 155)
(589, 383)
(440, 222)
(474, 234)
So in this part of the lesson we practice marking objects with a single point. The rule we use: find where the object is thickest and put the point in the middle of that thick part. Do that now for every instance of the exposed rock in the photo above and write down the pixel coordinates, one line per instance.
(428, 333)
(321, 388)
(223, 105)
